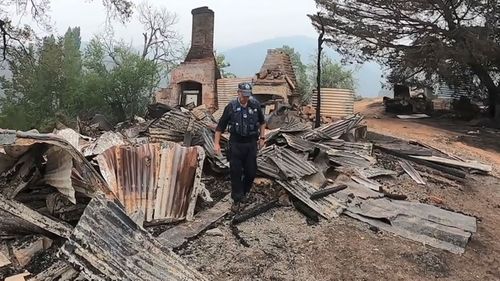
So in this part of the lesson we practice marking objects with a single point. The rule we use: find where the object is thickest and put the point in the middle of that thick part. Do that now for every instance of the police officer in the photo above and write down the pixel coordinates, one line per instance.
(246, 124)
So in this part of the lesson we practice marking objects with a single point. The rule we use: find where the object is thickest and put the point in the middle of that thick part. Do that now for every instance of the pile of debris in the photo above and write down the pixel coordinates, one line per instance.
(76, 207)
(332, 173)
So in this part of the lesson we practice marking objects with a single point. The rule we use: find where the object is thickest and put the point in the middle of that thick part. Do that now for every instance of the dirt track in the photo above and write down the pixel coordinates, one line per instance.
(284, 247)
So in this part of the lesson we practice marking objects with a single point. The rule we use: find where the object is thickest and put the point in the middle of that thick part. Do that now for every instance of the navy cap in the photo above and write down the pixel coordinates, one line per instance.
(245, 88)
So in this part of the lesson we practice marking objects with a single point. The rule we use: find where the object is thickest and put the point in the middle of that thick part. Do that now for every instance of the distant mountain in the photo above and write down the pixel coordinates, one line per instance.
(246, 61)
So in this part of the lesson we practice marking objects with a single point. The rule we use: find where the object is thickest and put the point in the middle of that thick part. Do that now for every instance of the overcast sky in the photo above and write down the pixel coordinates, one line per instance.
(237, 22)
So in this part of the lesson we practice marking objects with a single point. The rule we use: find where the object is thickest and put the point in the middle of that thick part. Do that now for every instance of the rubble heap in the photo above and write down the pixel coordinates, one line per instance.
(82, 204)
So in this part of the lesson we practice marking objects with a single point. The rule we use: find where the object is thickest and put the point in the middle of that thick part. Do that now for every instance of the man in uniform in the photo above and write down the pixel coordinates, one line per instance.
(246, 124)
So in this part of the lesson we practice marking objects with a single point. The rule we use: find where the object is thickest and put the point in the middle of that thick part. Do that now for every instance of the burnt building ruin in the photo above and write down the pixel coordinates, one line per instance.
(194, 81)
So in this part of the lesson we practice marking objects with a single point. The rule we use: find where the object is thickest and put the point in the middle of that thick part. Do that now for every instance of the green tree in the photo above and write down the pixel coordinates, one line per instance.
(304, 86)
(120, 89)
(223, 64)
(36, 92)
(55, 84)
(333, 75)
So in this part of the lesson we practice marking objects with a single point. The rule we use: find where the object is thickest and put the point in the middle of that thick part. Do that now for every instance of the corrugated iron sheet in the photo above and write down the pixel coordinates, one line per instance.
(357, 147)
(107, 245)
(350, 159)
(103, 142)
(173, 126)
(227, 90)
(161, 180)
(290, 164)
(208, 144)
(328, 207)
(337, 103)
(58, 172)
(416, 221)
(335, 129)
(298, 143)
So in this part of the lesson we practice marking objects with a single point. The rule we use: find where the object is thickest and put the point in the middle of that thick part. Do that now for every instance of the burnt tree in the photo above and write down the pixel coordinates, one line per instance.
(321, 40)
(420, 39)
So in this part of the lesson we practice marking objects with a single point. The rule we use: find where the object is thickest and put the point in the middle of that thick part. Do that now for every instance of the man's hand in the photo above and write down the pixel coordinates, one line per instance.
(217, 143)
(217, 149)
(262, 143)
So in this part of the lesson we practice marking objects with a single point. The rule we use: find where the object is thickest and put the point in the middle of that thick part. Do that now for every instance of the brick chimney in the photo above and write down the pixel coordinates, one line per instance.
(202, 37)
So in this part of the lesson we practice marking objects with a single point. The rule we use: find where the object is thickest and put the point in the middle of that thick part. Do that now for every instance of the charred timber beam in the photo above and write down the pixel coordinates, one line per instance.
(327, 191)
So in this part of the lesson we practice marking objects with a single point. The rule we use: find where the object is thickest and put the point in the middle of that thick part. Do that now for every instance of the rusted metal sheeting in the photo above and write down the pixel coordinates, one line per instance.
(161, 180)
(290, 164)
(334, 130)
(328, 206)
(337, 103)
(107, 245)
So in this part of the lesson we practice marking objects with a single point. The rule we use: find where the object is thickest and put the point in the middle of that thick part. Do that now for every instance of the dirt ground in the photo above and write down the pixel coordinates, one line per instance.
(459, 138)
(284, 246)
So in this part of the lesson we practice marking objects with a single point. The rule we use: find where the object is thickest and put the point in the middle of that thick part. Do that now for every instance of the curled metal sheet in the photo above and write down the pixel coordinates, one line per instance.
(161, 180)
(58, 172)
(16, 143)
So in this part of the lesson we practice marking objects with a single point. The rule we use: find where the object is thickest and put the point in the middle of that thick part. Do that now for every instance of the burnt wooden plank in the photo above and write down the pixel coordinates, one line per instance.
(18, 217)
(327, 191)
(178, 235)
(255, 211)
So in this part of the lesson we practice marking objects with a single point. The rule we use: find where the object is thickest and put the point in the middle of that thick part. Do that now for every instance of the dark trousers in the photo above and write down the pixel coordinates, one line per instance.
(243, 167)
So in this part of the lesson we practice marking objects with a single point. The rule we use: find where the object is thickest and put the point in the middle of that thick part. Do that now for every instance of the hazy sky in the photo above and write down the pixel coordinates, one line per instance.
(237, 22)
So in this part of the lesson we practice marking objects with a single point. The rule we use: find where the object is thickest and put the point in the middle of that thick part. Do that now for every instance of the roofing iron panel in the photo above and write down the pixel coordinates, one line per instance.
(328, 207)
(334, 130)
(161, 180)
(335, 102)
(107, 245)
(287, 162)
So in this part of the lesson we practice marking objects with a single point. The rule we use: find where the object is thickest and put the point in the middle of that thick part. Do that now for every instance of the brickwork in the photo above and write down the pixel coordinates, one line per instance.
(199, 66)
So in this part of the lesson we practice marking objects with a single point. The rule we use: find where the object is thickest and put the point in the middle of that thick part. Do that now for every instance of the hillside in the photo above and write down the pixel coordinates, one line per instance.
(246, 61)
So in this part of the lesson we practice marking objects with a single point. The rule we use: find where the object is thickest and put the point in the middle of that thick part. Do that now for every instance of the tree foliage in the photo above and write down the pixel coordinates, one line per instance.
(422, 40)
(333, 74)
(14, 36)
(119, 91)
(56, 83)
(223, 64)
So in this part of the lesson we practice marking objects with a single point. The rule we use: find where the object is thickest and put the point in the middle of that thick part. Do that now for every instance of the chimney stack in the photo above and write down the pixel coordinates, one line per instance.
(202, 36)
